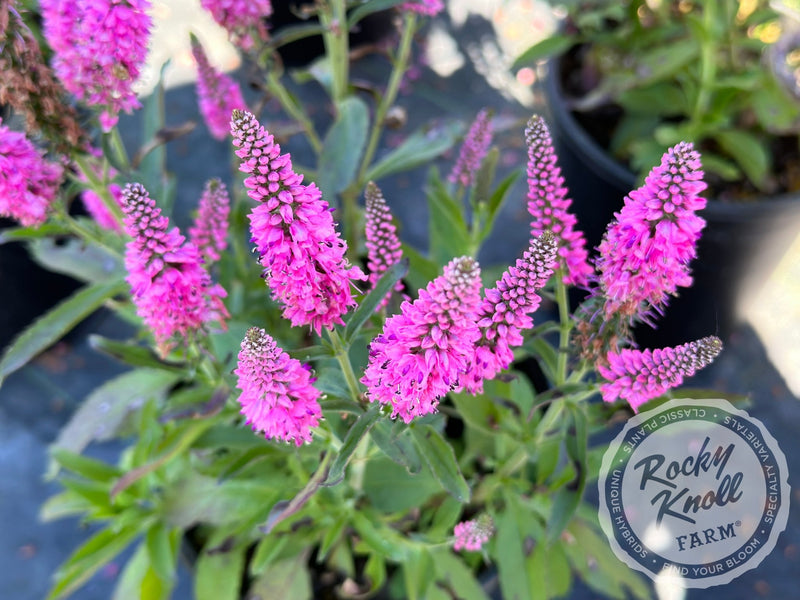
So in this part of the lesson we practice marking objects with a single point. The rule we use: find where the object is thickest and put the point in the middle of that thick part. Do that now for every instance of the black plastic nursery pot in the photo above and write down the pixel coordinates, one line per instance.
(740, 246)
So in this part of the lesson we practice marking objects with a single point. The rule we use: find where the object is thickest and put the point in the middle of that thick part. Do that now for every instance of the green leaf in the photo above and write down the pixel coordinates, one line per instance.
(369, 304)
(496, 201)
(76, 258)
(420, 148)
(104, 410)
(354, 437)
(394, 441)
(342, 148)
(457, 577)
(441, 460)
(51, 327)
(418, 572)
(568, 498)
(590, 555)
(89, 468)
(447, 229)
(65, 504)
(292, 33)
(379, 536)
(311, 353)
(89, 558)
(132, 354)
(177, 442)
(421, 269)
(196, 498)
(749, 152)
(391, 489)
(509, 555)
(367, 8)
(288, 578)
(162, 547)
(331, 537)
(218, 575)
(550, 46)
(22, 234)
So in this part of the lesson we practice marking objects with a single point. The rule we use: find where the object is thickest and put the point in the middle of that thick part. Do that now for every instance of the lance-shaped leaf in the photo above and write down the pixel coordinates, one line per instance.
(441, 460)
(354, 437)
(370, 303)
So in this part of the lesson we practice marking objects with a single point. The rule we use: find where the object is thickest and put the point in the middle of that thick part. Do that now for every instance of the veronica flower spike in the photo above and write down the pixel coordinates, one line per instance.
(28, 182)
(472, 535)
(645, 254)
(641, 375)
(277, 397)
(505, 311)
(99, 49)
(210, 230)
(217, 94)
(383, 245)
(243, 19)
(549, 206)
(172, 291)
(423, 351)
(473, 150)
(293, 231)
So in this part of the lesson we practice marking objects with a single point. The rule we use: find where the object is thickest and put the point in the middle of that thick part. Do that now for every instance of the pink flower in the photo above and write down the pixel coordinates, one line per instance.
(244, 19)
(172, 291)
(473, 150)
(549, 205)
(638, 376)
(424, 7)
(383, 245)
(210, 230)
(645, 254)
(28, 182)
(277, 396)
(424, 350)
(293, 230)
(99, 48)
(472, 535)
(505, 310)
(218, 95)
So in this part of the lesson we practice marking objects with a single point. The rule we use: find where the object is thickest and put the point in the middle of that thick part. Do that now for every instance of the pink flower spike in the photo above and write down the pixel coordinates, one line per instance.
(424, 7)
(172, 291)
(28, 182)
(383, 245)
(99, 49)
(243, 19)
(424, 350)
(472, 535)
(505, 311)
(217, 94)
(210, 230)
(645, 254)
(277, 396)
(549, 205)
(641, 375)
(473, 150)
(293, 231)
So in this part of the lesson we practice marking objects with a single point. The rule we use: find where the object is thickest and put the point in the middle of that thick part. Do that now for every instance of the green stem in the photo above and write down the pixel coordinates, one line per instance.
(564, 328)
(708, 64)
(86, 234)
(387, 100)
(342, 356)
(294, 110)
(350, 195)
(336, 37)
(101, 189)
(119, 148)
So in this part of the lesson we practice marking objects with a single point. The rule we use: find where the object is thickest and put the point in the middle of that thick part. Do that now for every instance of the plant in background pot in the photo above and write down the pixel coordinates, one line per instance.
(629, 79)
